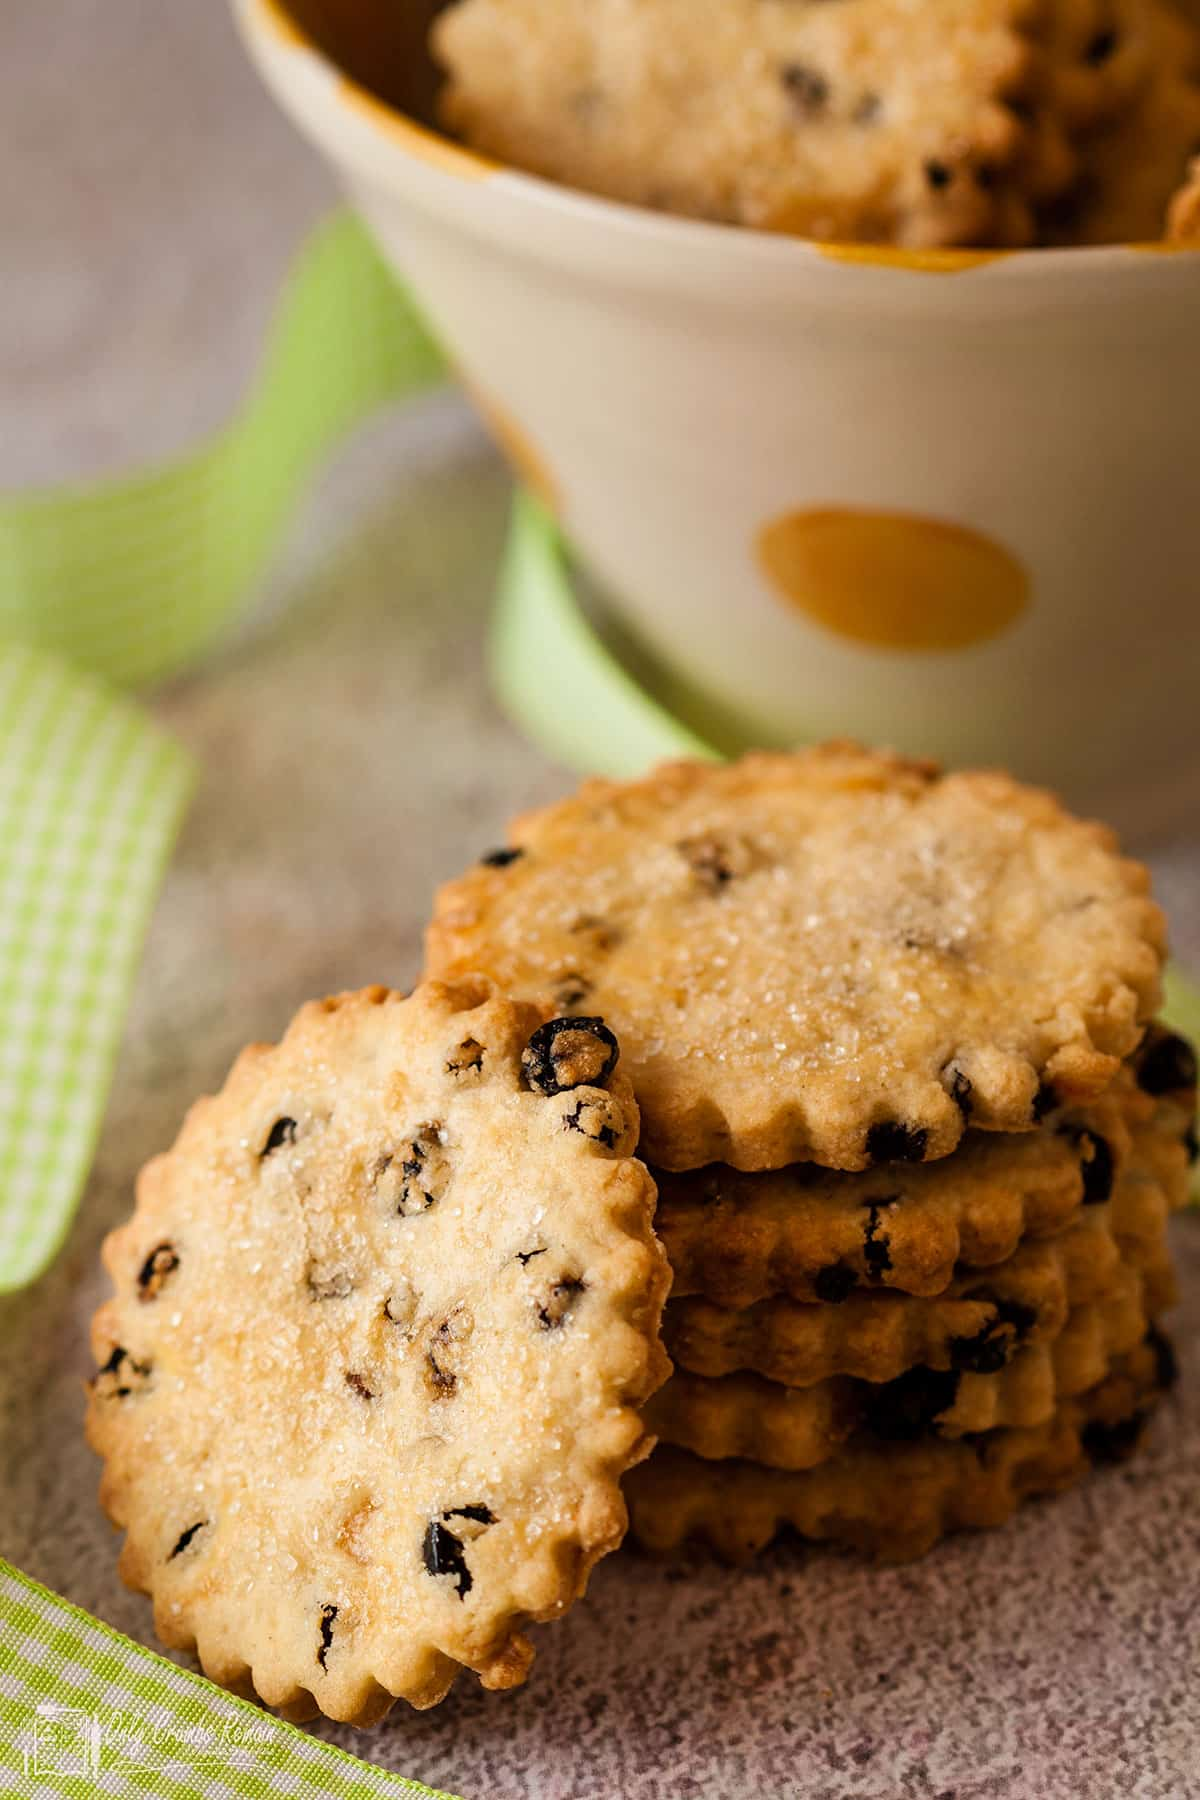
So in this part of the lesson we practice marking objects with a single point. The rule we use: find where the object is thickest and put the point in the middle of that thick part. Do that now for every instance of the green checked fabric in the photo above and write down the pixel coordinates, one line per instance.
(87, 1712)
(136, 579)
(91, 794)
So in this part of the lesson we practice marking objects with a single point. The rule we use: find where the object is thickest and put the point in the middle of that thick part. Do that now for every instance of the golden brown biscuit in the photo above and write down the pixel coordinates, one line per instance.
(977, 1325)
(384, 1317)
(749, 1417)
(813, 1235)
(872, 120)
(836, 956)
(1132, 169)
(895, 1500)
(817, 1236)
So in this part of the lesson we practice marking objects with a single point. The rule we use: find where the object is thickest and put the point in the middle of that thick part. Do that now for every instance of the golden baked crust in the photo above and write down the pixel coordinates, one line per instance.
(836, 956)
(1132, 171)
(815, 1236)
(977, 1324)
(782, 1427)
(384, 1318)
(895, 1500)
(872, 120)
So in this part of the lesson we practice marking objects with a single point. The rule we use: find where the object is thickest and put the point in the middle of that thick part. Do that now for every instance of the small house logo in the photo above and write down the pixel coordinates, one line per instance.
(64, 1740)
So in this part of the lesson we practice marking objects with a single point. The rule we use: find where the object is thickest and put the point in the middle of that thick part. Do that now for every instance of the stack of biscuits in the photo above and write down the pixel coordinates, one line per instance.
(915, 1134)
(877, 1358)
(996, 123)
(856, 1060)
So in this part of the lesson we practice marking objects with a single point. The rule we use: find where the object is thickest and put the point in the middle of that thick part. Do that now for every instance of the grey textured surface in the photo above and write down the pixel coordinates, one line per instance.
(351, 758)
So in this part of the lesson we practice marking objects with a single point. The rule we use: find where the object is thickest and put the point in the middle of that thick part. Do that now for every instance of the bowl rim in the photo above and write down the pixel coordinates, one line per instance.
(770, 249)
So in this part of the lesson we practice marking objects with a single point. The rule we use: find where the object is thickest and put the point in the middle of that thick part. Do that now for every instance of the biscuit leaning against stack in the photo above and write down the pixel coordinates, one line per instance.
(384, 1319)
(915, 1134)
(388, 1324)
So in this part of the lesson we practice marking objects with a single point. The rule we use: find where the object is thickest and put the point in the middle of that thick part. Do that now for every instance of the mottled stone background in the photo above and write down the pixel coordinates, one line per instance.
(352, 758)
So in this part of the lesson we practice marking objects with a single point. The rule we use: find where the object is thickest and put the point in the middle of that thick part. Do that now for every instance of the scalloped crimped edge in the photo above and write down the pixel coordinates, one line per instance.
(894, 1501)
(1029, 112)
(1075, 1051)
(877, 1336)
(635, 1277)
(739, 1256)
(748, 1417)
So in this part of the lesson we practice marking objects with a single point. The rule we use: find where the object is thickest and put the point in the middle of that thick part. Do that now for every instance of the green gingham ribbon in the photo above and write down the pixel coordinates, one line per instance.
(86, 1712)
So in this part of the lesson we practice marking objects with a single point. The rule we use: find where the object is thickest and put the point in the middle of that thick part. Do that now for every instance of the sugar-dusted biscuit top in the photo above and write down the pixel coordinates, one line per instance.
(872, 120)
(836, 956)
(384, 1317)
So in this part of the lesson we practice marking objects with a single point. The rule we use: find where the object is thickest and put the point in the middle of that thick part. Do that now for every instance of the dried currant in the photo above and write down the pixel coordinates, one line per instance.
(569, 1053)
(938, 174)
(185, 1538)
(714, 860)
(807, 88)
(990, 1349)
(326, 1283)
(572, 990)
(908, 1407)
(1096, 1166)
(597, 1117)
(283, 1131)
(466, 1060)
(479, 1515)
(441, 1350)
(1101, 48)
(501, 859)
(328, 1615)
(602, 934)
(162, 1261)
(834, 1284)
(409, 1182)
(876, 1249)
(120, 1376)
(889, 1141)
(1167, 1065)
(400, 1307)
(1044, 1102)
(442, 1549)
(554, 1310)
(960, 1088)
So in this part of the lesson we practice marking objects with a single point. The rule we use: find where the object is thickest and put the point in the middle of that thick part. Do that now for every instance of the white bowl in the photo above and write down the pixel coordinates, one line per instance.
(943, 500)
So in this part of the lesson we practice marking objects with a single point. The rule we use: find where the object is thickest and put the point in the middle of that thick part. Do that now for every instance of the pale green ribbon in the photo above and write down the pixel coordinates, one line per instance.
(116, 586)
